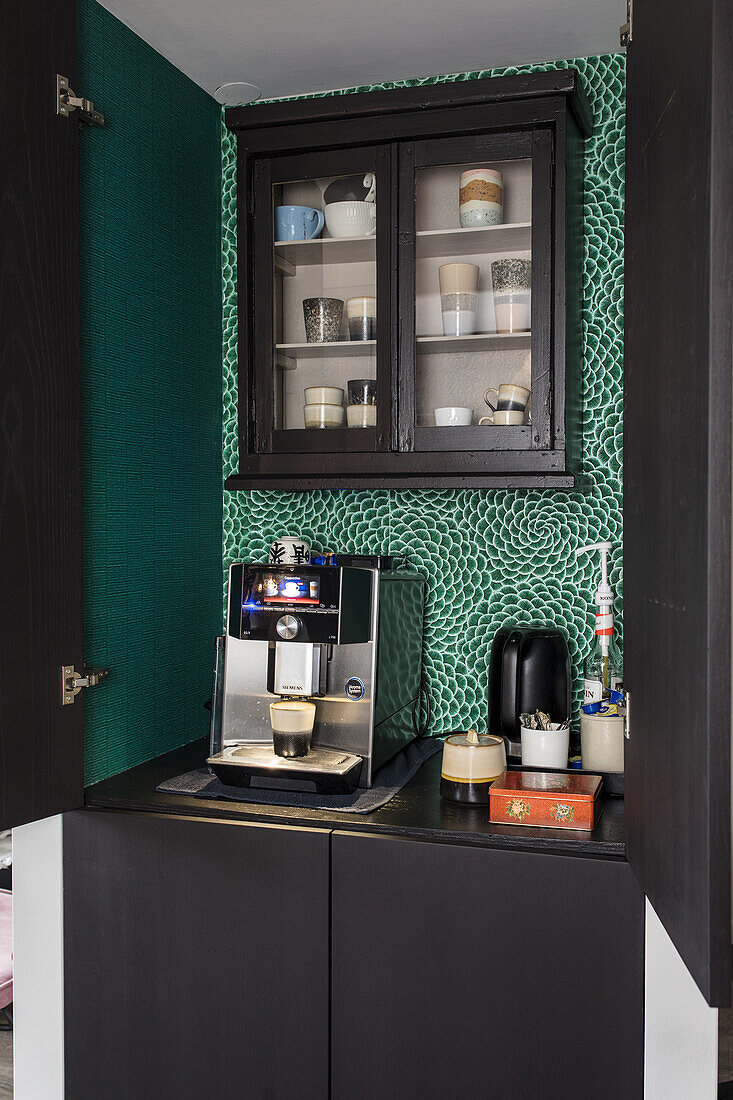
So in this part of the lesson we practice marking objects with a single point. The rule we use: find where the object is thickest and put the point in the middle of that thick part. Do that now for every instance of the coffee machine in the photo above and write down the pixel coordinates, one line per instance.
(348, 639)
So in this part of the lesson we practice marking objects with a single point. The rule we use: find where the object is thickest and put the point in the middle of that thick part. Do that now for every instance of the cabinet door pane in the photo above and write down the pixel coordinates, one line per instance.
(470, 207)
(319, 301)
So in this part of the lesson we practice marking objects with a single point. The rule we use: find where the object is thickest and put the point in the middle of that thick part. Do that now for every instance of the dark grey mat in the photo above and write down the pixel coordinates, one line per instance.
(388, 781)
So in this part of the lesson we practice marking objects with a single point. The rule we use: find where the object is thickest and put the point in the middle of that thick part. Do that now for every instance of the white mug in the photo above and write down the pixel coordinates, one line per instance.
(452, 416)
(288, 550)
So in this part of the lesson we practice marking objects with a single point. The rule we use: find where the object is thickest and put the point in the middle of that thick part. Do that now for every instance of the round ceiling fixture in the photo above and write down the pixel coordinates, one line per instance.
(236, 92)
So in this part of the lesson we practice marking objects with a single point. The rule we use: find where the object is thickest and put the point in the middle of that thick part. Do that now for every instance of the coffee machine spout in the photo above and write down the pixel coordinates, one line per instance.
(296, 669)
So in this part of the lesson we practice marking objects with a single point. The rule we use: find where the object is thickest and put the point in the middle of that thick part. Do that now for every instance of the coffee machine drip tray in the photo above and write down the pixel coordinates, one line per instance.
(325, 771)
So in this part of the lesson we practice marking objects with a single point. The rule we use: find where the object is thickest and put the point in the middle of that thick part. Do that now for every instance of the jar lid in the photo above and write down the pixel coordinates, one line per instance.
(473, 740)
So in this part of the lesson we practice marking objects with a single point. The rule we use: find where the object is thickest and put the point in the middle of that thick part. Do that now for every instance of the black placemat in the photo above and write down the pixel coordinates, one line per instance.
(388, 781)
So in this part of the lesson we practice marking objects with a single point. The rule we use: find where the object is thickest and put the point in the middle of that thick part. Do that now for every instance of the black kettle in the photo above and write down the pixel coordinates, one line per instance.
(529, 668)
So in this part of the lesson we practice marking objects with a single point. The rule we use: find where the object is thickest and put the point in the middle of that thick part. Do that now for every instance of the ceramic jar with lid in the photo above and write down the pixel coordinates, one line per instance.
(471, 762)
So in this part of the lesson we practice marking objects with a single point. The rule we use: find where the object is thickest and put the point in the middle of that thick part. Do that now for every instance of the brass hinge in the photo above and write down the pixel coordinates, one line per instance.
(626, 33)
(67, 101)
(72, 682)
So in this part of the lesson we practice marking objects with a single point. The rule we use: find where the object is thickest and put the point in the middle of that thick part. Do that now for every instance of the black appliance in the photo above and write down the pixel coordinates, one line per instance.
(529, 668)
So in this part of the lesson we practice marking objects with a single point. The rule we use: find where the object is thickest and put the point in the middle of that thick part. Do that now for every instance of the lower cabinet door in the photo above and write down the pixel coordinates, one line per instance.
(196, 959)
(466, 972)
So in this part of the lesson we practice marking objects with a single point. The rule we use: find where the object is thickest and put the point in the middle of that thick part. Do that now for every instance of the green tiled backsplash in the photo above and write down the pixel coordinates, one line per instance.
(151, 365)
(490, 556)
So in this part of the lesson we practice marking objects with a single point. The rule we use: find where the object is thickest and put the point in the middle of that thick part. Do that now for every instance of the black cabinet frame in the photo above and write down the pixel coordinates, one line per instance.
(546, 114)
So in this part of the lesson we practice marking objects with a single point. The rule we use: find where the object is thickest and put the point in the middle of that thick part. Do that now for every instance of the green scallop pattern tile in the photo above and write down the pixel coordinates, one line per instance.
(490, 556)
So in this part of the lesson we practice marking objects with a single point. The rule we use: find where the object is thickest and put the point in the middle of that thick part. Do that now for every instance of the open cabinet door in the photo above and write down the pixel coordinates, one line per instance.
(41, 741)
(677, 474)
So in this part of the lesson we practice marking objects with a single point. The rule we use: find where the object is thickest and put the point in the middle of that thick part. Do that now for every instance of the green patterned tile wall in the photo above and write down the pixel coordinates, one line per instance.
(490, 556)
(151, 368)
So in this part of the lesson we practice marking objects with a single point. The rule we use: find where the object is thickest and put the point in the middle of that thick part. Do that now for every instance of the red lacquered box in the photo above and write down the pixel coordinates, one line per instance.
(554, 800)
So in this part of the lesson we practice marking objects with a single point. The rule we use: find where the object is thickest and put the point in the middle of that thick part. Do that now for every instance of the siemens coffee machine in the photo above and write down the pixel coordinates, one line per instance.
(346, 639)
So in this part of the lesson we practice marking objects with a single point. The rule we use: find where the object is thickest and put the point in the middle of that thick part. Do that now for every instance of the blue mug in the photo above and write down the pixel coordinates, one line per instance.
(297, 223)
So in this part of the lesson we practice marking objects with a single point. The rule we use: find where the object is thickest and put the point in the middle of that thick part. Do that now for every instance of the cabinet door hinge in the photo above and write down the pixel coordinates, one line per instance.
(67, 101)
(72, 682)
(627, 720)
(626, 33)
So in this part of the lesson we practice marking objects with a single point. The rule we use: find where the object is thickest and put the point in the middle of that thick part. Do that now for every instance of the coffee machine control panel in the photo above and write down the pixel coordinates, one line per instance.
(312, 603)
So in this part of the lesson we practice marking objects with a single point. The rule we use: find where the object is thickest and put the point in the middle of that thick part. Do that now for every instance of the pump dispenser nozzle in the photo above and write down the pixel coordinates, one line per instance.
(605, 592)
(603, 667)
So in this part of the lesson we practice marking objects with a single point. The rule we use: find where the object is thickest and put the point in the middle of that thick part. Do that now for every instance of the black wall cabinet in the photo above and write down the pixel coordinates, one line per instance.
(511, 315)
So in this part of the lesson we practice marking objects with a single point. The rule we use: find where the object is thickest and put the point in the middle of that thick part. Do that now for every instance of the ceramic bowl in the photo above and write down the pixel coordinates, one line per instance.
(351, 219)
(323, 416)
(361, 416)
(323, 395)
(452, 416)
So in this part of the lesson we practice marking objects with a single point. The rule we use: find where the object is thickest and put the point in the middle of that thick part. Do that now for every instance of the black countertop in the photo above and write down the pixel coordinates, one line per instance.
(417, 811)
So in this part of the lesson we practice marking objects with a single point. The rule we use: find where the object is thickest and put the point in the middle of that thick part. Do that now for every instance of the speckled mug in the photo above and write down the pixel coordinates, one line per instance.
(322, 319)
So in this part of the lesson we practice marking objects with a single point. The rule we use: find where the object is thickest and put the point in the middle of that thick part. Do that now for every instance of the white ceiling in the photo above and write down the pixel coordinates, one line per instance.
(288, 47)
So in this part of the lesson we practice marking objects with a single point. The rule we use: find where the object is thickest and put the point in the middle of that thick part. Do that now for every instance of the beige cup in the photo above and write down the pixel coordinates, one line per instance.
(508, 398)
(361, 416)
(602, 742)
(458, 278)
(292, 722)
(503, 418)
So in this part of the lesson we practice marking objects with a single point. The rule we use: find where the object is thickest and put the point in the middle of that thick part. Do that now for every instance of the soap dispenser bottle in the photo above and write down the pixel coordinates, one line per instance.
(603, 668)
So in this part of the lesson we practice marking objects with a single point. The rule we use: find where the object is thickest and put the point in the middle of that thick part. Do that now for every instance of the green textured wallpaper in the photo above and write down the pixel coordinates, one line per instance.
(151, 363)
(491, 556)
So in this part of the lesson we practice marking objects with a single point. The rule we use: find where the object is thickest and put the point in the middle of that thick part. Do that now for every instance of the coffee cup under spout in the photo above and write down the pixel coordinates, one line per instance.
(292, 722)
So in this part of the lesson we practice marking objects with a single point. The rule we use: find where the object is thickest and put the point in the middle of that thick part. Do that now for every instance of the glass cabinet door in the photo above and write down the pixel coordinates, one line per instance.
(322, 301)
(475, 293)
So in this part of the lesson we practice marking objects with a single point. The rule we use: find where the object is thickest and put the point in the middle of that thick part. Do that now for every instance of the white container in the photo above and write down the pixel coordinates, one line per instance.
(452, 416)
(602, 742)
(289, 550)
(351, 219)
(323, 416)
(545, 748)
(361, 416)
(324, 395)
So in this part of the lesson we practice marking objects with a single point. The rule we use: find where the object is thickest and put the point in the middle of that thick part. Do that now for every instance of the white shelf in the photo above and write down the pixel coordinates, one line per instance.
(481, 240)
(480, 341)
(323, 250)
(285, 354)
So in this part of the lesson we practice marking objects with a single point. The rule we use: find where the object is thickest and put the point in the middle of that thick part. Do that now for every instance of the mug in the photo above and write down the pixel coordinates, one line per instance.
(362, 391)
(503, 418)
(288, 550)
(458, 298)
(361, 416)
(297, 223)
(511, 280)
(361, 314)
(292, 722)
(481, 198)
(351, 219)
(509, 398)
(322, 319)
(452, 416)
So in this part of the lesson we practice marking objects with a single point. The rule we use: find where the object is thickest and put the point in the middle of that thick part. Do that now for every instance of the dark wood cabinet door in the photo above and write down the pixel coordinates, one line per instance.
(41, 742)
(196, 959)
(461, 971)
(677, 475)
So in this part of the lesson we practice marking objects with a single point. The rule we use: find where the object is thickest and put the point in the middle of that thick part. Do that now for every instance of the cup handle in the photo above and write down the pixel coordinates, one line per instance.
(373, 215)
(486, 398)
(486, 420)
(320, 222)
(370, 181)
